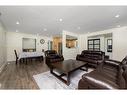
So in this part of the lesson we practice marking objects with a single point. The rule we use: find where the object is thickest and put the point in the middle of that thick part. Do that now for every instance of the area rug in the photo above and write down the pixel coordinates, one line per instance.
(47, 81)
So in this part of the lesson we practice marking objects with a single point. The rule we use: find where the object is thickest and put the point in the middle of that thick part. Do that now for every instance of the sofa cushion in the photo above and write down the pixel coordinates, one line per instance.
(101, 80)
(97, 57)
(92, 57)
(88, 60)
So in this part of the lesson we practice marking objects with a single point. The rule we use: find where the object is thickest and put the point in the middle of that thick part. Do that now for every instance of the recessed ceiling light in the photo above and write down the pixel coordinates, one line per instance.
(60, 19)
(118, 26)
(117, 16)
(17, 31)
(45, 29)
(79, 28)
(17, 22)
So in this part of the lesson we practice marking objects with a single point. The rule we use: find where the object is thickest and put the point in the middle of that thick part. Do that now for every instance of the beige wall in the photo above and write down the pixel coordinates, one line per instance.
(14, 41)
(2, 46)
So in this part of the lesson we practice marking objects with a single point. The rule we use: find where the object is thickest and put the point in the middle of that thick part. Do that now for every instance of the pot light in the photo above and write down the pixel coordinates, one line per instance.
(117, 16)
(45, 29)
(79, 28)
(17, 31)
(118, 26)
(17, 22)
(60, 19)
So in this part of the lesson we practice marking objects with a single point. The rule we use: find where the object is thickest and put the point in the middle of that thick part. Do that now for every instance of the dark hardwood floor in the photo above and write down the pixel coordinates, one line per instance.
(21, 76)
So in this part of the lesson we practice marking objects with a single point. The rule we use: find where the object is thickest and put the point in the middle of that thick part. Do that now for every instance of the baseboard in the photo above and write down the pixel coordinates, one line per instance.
(2, 67)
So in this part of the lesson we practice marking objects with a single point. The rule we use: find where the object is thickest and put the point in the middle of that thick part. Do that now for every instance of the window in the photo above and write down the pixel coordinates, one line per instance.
(109, 45)
(94, 44)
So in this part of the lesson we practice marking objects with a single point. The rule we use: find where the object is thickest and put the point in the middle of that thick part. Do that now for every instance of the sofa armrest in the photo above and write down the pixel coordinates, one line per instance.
(113, 62)
(99, 81)
(100, 66)
(78, 56)
(61, 56)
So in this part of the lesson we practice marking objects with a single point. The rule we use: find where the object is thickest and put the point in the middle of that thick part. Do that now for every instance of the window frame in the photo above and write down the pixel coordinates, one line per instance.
(94, 49)
(109, 50)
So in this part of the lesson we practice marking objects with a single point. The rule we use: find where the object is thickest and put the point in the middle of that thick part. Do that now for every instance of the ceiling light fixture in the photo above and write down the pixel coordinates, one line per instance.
(60, 19)
(17, 31)
(118, 26)
(79, 28)
(45, 29)
(17, 22)
(117, 16)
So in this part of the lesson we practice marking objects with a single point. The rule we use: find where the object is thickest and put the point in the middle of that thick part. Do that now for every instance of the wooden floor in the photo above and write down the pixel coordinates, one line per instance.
(21, 76)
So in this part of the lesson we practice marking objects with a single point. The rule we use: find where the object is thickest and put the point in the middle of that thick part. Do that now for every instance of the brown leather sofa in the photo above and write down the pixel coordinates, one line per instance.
(92, 57)
(51, 56)
(109, 75)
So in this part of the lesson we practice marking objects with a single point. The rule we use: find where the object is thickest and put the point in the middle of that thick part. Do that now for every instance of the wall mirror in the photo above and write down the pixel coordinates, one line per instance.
(29, 44)
(71, 41)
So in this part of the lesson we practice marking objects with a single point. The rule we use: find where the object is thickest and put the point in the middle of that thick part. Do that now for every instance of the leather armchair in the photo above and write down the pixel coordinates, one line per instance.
(94, 58)
(110, 74)
(51, 56)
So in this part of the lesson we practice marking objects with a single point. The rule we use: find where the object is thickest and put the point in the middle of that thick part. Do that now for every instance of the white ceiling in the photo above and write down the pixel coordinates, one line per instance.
(78, 19)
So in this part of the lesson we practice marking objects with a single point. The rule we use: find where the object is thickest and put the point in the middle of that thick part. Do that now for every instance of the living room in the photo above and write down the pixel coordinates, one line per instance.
(55, 47)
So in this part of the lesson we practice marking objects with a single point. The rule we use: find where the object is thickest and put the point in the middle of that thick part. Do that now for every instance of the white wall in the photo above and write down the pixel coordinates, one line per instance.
(69, 53)
(82, 43)
(14, 42)
(2, 46)
(119, 41)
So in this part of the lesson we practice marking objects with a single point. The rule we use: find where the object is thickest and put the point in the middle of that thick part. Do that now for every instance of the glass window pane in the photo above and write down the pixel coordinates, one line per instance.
(109, 42)
(91, 42)
(96, 41)
(90, 46)
(96, 46)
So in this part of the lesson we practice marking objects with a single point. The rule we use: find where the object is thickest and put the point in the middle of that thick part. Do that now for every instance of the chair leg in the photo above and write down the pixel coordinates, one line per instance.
(16, 61)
